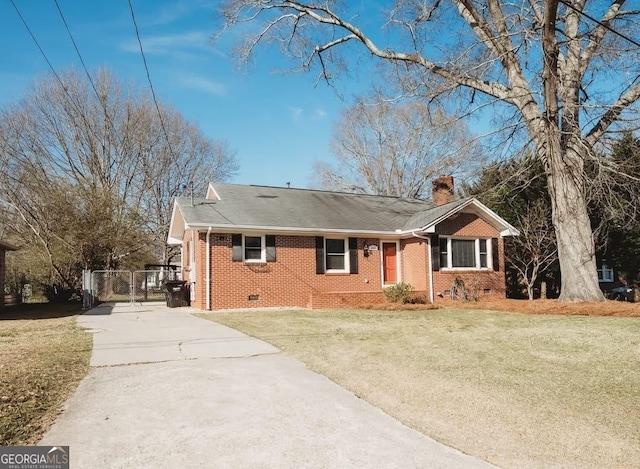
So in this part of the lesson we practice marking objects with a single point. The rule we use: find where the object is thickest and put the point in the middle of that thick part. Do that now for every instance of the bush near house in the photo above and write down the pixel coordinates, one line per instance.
(399, 293)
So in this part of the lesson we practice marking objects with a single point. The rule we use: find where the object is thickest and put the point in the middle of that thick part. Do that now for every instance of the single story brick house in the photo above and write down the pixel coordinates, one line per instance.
(254, 246)
(4, 247)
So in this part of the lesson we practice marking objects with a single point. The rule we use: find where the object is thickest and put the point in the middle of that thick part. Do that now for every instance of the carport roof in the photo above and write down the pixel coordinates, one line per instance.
(232, 207)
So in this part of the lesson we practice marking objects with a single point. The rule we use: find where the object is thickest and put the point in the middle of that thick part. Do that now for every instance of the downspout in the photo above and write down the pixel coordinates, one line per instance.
(430, 266)
(193, 267)
(207, 279)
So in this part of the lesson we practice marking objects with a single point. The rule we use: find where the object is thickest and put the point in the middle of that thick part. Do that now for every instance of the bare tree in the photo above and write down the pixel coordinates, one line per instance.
(90, 168)
(558, 65)
(180, 163)
(535, 250)
(394, 149)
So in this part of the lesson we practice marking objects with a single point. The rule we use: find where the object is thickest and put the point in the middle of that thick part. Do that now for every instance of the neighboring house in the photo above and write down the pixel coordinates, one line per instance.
(4, 247)
(254, 246)
(606, 276)
(614, 285)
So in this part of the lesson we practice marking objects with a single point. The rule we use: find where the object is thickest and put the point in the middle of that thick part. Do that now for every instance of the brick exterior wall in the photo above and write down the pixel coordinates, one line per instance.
(415, 263)
(489, 284)
(291, 281)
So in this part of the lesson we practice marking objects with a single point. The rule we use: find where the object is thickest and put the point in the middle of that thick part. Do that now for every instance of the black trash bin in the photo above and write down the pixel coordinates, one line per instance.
(175, 291)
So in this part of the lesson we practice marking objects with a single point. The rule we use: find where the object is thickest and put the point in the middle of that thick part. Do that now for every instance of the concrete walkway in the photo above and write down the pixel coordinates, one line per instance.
(171, 390)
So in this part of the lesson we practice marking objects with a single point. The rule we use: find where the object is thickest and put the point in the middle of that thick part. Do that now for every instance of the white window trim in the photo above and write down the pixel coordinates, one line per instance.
(489, 245)
(347, 267)
(605, 274)
(398, 270)
(263, 250)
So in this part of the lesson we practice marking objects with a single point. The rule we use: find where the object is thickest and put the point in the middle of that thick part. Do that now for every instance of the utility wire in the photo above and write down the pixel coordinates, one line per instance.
(86, 71)
(599, 23)
(62, 85)
(38, 45)
(75, 46)
(144, 60)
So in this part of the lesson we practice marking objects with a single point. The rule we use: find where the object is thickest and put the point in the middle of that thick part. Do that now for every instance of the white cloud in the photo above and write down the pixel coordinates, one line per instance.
(203, 84)
(301, 116)
(296, 113)
(177, 11)
(320, 114)
(170, 44)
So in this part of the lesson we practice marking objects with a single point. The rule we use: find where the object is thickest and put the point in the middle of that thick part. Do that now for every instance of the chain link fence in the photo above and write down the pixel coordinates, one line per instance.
(148, 285)
(111, 285)
(125, 285)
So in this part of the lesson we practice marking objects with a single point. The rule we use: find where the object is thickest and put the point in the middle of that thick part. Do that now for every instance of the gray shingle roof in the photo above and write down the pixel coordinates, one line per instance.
(276, 207)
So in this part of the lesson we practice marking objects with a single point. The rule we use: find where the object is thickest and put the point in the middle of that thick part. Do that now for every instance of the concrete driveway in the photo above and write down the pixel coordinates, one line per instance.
(171, 390)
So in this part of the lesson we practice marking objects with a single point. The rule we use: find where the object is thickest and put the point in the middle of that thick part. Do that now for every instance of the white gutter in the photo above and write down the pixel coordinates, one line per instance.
(290, 230)
(207, 279)
(430, 268)
(193, 266)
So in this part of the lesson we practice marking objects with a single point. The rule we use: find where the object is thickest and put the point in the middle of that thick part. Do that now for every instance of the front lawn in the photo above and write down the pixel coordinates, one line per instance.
(516, 390)
(43, 357)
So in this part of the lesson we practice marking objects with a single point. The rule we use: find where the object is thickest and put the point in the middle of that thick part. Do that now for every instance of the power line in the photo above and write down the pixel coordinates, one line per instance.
(144, 60)
(24, 22)
(599, 23)
(64, 88)
(53, 70)
(86, 71)
(75, 46)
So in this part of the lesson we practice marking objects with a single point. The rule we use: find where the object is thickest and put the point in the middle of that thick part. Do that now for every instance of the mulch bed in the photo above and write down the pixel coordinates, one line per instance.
(607, 308)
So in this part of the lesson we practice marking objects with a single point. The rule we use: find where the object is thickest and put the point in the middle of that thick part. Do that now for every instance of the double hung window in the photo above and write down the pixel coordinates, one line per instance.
(465, 253)
(254, 249)
(336, 258)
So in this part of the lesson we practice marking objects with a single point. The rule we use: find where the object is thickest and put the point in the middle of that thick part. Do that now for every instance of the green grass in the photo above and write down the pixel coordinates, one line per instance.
(43, 357)
(516, 390)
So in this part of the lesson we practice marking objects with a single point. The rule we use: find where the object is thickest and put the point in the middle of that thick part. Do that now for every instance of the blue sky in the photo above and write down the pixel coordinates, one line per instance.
(280, 124)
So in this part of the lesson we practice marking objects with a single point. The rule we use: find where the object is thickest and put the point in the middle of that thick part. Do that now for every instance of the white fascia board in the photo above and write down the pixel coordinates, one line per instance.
(431, 227)
(174, 241)
(287, 230)
(176, 226)
(510, 232)
(507, 228)
(211, 193)
(494, 219)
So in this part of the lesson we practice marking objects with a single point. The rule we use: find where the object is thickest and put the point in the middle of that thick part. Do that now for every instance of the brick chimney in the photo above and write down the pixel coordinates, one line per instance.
(442, 190)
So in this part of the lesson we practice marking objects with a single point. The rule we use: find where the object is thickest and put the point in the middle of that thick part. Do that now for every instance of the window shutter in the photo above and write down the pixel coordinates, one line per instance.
(353, 255)
(495, 254)
(319, 255)
(270, 241)
(435, 252)
(236, 247)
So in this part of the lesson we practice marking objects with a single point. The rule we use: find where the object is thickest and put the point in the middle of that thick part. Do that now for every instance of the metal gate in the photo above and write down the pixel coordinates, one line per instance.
(126, 286)
(148, 285)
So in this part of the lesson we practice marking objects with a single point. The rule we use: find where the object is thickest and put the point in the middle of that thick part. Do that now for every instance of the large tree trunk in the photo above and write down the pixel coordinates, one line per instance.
(576, 250)
(560, 146)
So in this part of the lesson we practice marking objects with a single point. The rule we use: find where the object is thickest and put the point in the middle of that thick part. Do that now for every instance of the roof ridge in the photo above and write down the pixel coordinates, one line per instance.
(323, 191)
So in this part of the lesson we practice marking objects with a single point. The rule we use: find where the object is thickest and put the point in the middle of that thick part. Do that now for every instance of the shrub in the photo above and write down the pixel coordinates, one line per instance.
(58, 294)
(399, 293)
(419, 300)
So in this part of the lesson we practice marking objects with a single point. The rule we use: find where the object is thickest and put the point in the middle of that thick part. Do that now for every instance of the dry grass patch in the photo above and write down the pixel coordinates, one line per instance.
(42, 360)
(518, 391)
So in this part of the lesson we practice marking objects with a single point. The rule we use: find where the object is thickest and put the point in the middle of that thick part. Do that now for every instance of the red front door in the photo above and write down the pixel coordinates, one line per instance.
(389, 263)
